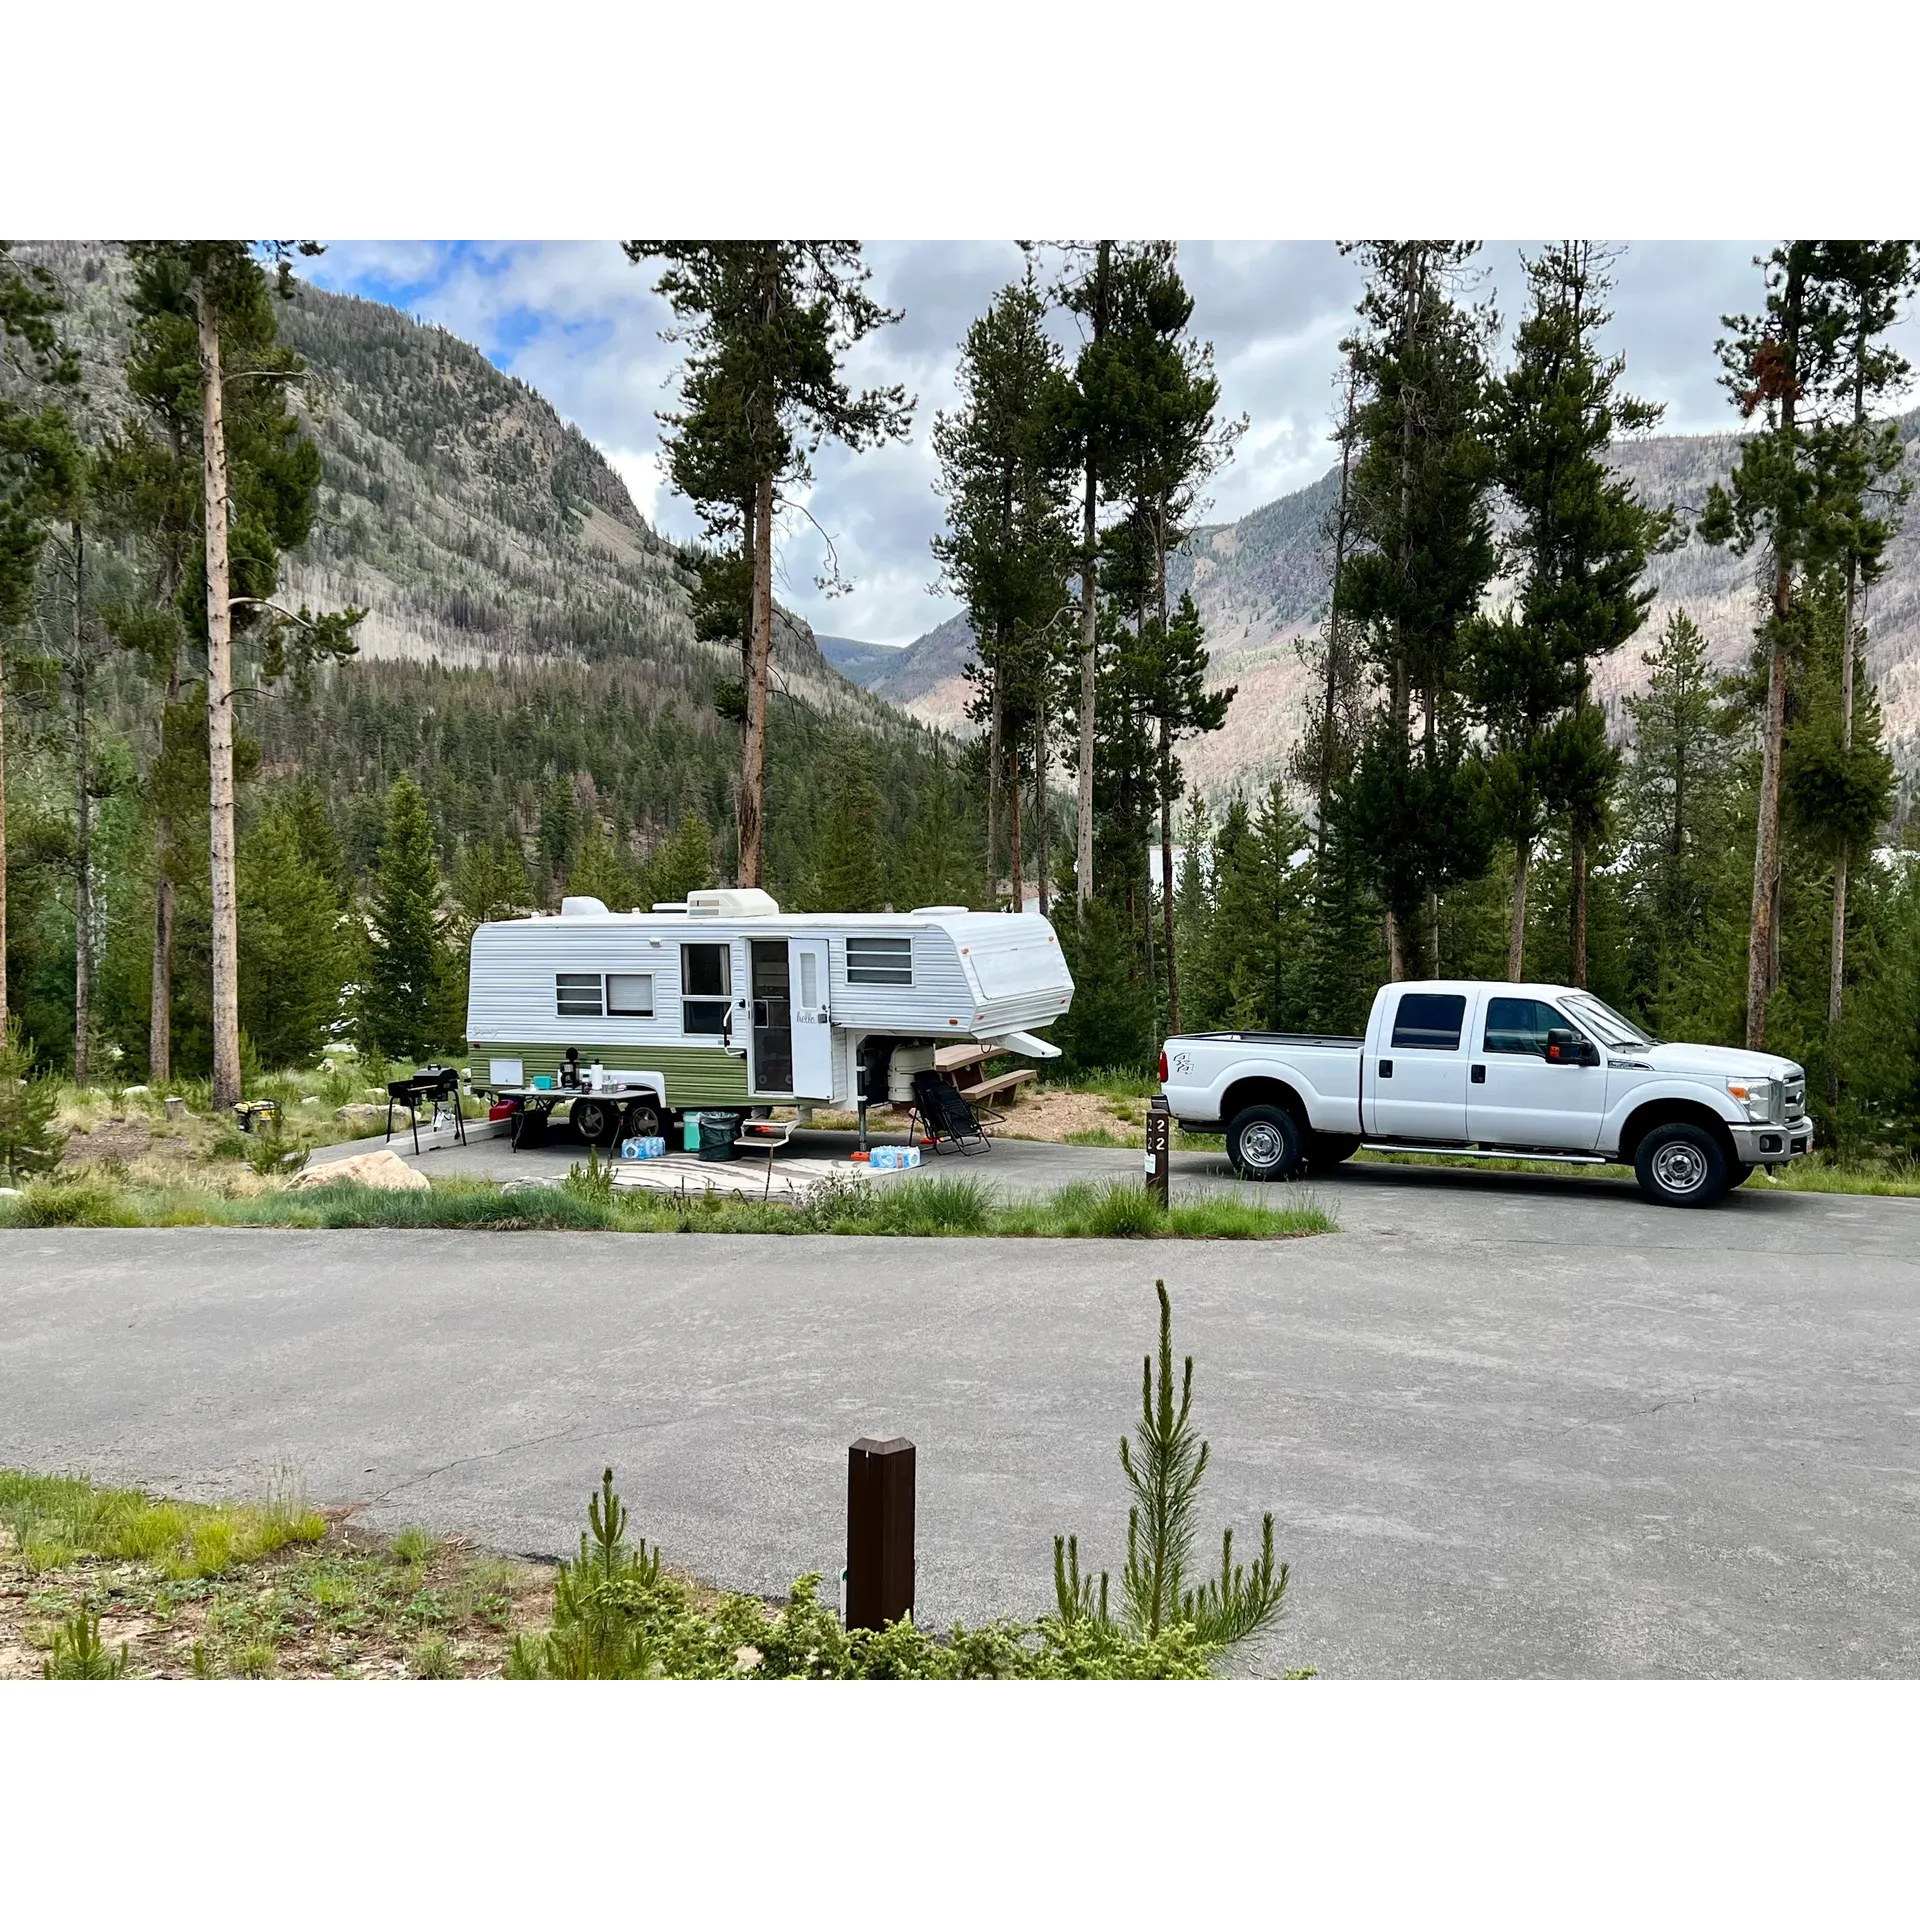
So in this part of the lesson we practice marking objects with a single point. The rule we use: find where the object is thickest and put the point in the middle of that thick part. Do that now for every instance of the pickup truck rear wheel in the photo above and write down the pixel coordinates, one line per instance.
(1263, 1143)
(1681, 1165)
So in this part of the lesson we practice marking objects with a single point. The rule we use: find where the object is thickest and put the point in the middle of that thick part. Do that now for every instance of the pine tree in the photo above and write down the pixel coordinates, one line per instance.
(30, 1138)
(1176, 700)
(1425, 555)
(223, 289)
(1004, 475)
(1862, 461)
(1681, 804)
(401, 1010)
(39, 465)
(1798, 492)
(849, 871)
(1579, 544)
(769, 323)
(685, 864)
(294, 955)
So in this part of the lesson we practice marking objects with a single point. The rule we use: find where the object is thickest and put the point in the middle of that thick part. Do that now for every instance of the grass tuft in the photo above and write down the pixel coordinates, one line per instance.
(412, 1547)
(924, 1206)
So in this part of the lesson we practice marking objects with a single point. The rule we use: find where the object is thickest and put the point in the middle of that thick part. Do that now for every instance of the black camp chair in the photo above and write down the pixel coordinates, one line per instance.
(943, 1118)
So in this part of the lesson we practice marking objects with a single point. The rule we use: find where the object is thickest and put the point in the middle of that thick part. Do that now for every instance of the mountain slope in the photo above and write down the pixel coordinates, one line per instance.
(1261, 584)
(477, 527)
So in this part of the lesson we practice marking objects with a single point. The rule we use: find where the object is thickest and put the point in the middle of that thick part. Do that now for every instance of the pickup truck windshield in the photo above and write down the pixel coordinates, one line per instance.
(1614, 1028)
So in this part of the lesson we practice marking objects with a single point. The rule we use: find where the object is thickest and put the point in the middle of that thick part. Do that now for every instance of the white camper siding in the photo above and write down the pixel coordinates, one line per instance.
(1016, 973)
(939, 1001)
(511, 992)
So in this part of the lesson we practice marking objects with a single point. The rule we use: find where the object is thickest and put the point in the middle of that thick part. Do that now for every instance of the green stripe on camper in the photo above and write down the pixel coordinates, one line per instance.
(695, 1076)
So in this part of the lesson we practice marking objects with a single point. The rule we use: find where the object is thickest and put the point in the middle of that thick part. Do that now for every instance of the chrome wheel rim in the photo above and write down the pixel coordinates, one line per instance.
(1261, 1145)
(590, 1123)
(1680, 1167)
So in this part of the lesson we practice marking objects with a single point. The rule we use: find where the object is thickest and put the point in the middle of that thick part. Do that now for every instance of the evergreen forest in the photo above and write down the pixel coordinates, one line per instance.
(458, 676)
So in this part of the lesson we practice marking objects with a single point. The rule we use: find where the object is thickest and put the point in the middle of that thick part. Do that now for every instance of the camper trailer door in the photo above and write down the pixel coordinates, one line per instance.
(812, 1023)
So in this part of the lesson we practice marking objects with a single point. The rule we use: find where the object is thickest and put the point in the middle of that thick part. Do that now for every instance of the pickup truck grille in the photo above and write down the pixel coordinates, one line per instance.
(1794, 1092)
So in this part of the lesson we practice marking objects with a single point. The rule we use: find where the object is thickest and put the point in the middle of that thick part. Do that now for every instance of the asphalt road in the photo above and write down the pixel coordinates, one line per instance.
(1508, 1425)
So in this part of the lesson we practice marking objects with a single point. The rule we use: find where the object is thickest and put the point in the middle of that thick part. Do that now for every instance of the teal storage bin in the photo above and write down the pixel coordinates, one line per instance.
(690, 1132)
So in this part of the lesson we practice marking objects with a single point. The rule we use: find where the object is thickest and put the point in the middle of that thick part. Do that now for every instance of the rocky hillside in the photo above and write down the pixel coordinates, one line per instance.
(1261, 584)
(475, 525)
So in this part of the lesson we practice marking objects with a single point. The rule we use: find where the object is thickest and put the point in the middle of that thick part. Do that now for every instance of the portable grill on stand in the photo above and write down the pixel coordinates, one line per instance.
(435, 1088)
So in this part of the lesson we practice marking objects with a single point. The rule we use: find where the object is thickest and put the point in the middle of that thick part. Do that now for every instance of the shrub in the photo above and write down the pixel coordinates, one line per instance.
(78, 1653)
(29, 1140)
(71, 1203)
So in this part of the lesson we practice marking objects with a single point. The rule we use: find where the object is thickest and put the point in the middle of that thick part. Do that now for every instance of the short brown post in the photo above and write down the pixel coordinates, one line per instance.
(1160, 1150)
(879, 1532)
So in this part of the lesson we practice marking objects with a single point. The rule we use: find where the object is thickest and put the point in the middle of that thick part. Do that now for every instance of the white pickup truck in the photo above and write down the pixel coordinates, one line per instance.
(1507, 1071)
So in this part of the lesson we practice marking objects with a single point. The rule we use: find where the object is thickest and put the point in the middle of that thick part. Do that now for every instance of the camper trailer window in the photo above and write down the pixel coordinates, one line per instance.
(706, 986)
(630, 993)
(874, 962)
(577, 993)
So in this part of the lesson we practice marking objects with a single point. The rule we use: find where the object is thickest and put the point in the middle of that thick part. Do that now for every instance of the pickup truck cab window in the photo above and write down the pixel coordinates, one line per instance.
(1521, 1026)
(1430, 1020)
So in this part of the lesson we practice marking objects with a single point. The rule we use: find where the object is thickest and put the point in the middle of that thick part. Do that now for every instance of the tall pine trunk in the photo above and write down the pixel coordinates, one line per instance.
(1040, 849)
(1517, 929)
(1763, 941)
(3, 849)
(1837, 939)
(1013, 828)
(1166, 878)
(82, 828)
(160, 994)
(753, 753)
(226, 927)
(1579, 967)
(996, 753)
(1089, 623)
(1089, 657)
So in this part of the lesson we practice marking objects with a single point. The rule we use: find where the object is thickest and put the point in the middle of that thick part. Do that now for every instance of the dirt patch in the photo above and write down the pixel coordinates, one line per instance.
(1058, 1114)
(342, 1606)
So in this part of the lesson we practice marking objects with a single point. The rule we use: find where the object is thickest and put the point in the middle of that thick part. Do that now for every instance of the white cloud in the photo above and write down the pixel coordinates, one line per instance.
(579, 323)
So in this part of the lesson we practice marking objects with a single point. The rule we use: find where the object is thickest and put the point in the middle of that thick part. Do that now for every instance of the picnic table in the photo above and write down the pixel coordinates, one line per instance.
(966, 1069)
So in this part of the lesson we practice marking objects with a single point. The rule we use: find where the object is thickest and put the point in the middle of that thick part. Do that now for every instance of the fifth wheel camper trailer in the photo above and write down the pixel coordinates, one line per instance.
(726, 1003)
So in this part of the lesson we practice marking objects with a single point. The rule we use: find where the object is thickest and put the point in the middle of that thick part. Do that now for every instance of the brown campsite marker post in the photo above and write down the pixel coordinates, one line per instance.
(879, 1532)
(1160, 1151)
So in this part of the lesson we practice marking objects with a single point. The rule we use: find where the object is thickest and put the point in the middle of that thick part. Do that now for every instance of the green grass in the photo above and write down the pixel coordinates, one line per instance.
(937, 1205)
(267, 1591)
(56, 1520)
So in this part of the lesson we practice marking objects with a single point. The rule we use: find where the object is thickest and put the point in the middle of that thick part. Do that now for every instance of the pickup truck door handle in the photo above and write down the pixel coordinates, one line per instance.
(1479, 1076)
(1386, 1069)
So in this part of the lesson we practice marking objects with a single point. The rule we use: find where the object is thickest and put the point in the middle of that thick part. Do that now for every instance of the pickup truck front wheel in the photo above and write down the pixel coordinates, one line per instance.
(1263, 1143)
(1681, 1165)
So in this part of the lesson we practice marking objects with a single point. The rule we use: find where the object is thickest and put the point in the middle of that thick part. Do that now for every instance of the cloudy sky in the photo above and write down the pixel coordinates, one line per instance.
(575, 321)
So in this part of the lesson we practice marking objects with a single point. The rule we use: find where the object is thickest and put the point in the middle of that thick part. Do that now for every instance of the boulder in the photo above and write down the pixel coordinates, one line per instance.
(382, 1169)
(359, 1110)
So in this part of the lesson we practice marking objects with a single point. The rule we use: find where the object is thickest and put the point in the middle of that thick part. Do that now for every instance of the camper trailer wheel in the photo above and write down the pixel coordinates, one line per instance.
(643, 1119)
(596, 1123)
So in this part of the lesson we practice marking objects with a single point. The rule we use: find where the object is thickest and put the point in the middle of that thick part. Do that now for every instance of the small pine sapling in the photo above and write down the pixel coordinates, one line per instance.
(1164, 1464)
(79, 1653)
(29, 1140)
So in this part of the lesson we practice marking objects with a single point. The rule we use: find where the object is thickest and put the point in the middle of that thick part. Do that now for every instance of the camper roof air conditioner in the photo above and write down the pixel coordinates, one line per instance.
(731, 903)
(578, 905)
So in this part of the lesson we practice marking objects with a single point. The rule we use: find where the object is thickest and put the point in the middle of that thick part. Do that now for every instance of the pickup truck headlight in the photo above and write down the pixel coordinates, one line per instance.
(1760, 1099)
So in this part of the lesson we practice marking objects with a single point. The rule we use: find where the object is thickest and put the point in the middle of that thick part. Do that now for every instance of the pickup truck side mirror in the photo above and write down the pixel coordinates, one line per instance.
(1565, 1048)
